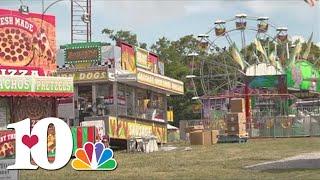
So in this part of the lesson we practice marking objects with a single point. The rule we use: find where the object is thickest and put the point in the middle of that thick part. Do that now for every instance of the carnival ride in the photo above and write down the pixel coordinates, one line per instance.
(278, 83)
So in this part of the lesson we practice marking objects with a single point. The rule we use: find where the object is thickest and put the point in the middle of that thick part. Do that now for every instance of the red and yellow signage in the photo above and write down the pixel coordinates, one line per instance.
(127, 58)
(153, 63)
(85, 76)
(27, 40)
(159, 81)
(21, 71)
(142, 58)
(126, 128)
(7, 144)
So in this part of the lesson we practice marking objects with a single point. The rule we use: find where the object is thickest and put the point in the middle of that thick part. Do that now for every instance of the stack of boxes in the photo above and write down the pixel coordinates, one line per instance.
(199, 136)
(236, 119)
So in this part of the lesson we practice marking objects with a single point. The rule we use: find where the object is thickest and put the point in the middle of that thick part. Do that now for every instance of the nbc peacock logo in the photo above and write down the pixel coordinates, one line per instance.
(94, 157)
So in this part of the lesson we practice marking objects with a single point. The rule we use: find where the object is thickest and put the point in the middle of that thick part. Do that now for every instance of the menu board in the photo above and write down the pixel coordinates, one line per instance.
(82, 54)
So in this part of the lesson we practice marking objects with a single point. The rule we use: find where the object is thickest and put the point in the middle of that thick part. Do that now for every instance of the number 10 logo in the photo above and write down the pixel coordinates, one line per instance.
(34, 142)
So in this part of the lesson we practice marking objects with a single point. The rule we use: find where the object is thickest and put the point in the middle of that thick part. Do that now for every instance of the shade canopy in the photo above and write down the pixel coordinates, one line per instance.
(40, 86)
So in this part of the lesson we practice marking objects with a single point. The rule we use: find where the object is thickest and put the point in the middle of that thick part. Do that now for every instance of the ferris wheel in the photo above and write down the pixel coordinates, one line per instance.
(224, 65)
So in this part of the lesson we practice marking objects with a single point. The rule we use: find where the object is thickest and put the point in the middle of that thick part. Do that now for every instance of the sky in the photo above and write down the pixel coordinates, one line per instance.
(151, 20)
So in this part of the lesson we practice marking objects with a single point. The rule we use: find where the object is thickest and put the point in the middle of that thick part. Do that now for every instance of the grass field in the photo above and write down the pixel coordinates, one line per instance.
(221, 161)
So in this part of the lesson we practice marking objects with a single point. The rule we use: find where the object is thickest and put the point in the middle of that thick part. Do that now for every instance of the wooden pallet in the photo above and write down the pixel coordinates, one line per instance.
(231, 139)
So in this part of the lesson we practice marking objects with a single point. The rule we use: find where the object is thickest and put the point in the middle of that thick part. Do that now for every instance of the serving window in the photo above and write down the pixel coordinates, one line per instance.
(85, 101)
(104, 99)
(158, 107)
(143, 99)
(131, 101)
(122, 104)
(150, 105)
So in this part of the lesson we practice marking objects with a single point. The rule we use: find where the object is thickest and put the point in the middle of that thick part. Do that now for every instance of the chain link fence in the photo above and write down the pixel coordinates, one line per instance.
(267, 126)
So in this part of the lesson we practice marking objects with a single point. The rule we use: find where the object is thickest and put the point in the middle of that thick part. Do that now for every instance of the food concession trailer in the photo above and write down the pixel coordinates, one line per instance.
(27, 60)
(120, 89)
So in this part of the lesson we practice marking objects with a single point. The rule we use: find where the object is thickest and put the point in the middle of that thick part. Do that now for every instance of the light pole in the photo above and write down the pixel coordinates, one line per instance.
(85, 17)
(25, 9)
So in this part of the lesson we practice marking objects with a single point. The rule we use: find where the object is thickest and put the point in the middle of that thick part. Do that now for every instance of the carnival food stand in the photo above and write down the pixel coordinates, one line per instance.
(122, 87)
(31, 97)
(27, 59)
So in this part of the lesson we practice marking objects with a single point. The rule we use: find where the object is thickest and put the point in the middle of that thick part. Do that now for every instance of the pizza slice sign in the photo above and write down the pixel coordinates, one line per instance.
(21, 41)
(15, 47)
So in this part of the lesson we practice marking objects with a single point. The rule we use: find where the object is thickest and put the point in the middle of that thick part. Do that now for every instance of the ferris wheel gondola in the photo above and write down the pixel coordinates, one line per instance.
(216, 76)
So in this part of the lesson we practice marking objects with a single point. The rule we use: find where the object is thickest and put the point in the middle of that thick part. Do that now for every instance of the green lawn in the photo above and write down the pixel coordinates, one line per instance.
(221, 161)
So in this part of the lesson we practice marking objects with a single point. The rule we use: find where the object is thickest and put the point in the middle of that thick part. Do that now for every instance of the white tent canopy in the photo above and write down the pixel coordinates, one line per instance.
(170, 127)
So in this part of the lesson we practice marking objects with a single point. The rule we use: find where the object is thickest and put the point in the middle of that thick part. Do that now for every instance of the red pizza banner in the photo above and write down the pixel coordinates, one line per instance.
(7, 144)
(27, 40)
(11, 70)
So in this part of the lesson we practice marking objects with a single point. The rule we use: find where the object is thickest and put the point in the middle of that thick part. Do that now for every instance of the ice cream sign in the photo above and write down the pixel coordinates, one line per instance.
(19, 22)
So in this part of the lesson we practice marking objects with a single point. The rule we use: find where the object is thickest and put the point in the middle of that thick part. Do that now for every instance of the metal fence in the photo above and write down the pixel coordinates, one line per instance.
(184, 125)
(281, 126)
(286, 126)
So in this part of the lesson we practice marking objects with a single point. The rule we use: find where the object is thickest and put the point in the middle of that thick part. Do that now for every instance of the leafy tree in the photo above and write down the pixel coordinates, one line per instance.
(175, 56)
(126, 36)
(143, 45)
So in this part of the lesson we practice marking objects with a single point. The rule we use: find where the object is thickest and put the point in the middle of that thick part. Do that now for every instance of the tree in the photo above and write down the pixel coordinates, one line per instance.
(126, 36)
(175, 56)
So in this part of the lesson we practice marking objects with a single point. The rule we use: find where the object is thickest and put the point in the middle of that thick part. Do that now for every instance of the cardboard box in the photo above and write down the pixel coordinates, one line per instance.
(237, 131)
(237, 105)
(235, 118)
(194, 128)
(236, 127)
(214, 136)
(200, 138)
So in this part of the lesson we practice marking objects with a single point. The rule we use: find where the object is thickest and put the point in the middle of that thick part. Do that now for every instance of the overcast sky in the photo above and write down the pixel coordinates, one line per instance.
(151, 20)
